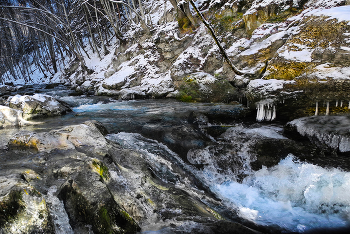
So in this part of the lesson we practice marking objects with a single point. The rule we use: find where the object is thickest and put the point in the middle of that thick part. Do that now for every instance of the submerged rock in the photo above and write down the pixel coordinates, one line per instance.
(38, 105)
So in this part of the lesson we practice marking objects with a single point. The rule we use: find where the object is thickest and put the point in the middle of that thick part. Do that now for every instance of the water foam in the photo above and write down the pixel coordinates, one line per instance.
(293, 195)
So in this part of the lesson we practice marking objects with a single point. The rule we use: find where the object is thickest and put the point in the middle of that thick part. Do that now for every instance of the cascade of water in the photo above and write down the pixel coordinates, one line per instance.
(336, 103)
(266, 110)
(341, 103)
(327, 110)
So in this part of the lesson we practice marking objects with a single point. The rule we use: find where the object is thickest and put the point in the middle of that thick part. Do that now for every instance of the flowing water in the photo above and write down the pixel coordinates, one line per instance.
(294, 195)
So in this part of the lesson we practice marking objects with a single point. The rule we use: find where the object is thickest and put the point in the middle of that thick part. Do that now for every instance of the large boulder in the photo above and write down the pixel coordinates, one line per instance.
(38, 105)
(94, 184)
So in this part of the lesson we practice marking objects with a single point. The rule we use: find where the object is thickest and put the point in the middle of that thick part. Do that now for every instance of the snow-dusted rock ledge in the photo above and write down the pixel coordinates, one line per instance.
(38, 105)
(332, 131)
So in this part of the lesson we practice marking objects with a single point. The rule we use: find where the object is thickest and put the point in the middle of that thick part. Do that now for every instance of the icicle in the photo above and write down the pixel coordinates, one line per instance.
(266, 110)
(274, 113)
(327, 110)
(260, 112)
(316, 111)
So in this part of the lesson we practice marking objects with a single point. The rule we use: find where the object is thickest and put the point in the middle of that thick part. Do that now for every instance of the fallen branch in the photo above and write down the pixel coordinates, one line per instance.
(222, 51)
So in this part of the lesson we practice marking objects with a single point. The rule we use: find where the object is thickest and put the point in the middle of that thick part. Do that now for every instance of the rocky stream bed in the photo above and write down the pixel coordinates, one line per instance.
(164, 166)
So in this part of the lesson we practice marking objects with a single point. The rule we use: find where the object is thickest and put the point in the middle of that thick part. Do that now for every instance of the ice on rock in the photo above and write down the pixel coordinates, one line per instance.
(266, 110)
(332, 131)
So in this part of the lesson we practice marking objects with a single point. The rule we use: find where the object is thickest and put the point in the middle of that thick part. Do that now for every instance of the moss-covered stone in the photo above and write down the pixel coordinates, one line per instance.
(288, 70)
(101, 169)
(191, 89)
(10, 207)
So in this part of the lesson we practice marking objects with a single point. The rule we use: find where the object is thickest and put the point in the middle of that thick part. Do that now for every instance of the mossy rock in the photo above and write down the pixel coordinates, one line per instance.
(101, 169)
(281, 69)
(103, 213)
(10, 207)
(191, 90)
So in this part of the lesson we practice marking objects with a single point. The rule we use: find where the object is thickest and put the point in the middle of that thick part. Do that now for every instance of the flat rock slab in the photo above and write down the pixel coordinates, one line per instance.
(86, 134)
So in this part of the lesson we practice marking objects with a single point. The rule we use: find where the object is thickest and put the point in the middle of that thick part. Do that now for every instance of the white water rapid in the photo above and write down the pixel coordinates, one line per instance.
(293, 195)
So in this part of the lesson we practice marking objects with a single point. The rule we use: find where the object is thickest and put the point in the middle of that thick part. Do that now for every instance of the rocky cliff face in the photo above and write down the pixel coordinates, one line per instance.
(284, 40)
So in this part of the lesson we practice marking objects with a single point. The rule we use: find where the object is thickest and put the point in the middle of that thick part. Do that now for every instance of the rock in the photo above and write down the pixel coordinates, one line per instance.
(88, 134)
(12, 117)
(324, 131)
(96, 185)
(180, 139)
(38, 105)
(203, 87)
(23, 208)
(6, 89)
(88, 201)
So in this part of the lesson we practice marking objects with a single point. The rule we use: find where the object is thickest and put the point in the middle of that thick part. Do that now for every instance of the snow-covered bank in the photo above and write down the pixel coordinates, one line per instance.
(275, 40)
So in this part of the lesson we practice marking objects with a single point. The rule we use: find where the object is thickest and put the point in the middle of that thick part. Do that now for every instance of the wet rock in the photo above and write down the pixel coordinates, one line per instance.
(203, 87)
(38, 105)
(180, 139)
(90, 133)
(88, 201)
(6, 89)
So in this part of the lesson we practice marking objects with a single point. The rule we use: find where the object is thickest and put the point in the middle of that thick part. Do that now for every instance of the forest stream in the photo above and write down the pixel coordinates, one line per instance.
(248, 172)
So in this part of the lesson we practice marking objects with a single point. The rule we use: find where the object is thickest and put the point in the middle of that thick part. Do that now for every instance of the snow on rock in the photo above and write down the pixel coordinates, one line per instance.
(332, 131)
(341, 13)
(271, 36)
(265, 87)
(38, 105)
(325, 71)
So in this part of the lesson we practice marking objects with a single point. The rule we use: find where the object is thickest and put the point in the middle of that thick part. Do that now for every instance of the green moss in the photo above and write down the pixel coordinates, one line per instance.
(11, 207)
(288, 70)
(101, 169)
(219, 91)
(283, 16)
(321, 33)
(185, 98)
(105, 220)
(227, 21)
(214, 213)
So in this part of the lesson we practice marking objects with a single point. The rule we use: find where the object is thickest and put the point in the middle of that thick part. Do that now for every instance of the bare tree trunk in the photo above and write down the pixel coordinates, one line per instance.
(87, 14)
(81, 59)
(99, 30)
